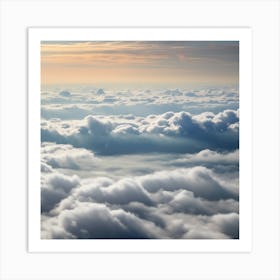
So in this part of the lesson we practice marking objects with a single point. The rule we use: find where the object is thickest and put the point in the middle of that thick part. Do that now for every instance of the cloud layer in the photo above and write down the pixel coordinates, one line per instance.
(140, 163)
(170, 132)
(177, 204)
(79, 103)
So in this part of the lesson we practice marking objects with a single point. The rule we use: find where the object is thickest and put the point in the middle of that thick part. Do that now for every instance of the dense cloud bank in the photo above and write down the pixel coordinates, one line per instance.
(182, 203)
(170, 132)
(140, 164)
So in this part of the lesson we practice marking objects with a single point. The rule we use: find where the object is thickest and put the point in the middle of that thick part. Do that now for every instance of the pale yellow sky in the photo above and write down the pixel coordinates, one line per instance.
(140, 63)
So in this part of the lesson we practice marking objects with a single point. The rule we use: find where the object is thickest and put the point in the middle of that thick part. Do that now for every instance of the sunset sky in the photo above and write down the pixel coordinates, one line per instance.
(140, 63)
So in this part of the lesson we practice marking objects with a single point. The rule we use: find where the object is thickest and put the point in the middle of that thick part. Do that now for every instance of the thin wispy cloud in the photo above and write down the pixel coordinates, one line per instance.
(178, 62)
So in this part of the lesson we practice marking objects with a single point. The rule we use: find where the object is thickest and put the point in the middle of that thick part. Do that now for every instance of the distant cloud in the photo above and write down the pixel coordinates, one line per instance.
(100, 91)
(65, 93)
(174, 92)
(138, 102)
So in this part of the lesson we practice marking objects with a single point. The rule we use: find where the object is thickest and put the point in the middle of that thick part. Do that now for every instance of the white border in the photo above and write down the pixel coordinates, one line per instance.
(243, 35)
(263, 17)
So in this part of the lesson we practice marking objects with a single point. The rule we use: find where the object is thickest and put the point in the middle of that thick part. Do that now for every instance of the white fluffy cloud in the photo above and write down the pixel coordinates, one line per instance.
(120, 192)
(169, 132)
(207, 156)
(90, 220)
(65, 156)
(199, 180)
(140, 207)
(140, 163)
(186, 202)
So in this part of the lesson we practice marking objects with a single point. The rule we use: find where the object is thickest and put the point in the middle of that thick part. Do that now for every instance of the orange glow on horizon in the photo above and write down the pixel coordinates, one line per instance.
(136, 62)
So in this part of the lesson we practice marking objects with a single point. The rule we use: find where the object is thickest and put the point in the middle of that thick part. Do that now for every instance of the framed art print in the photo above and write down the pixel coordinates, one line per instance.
(140, 139)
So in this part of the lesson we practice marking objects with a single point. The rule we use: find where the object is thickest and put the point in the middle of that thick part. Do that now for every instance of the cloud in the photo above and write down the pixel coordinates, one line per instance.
(138, 102)
(100, 91)
(227, 223)
(140, 163)
(186, 202)
(199, 180)
(183, 203)
(207, 157)
(197, 184)
(66, 156)
(204, 233)
(45, 167)
(174, 92)
(170, 132)
(55, 187)
(120, 192)
(65, 93)
(90, 220)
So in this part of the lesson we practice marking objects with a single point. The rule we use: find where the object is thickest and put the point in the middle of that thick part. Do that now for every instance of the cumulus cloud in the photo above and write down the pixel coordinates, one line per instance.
(227, 223)
(174, 92)
(120, 192)
(199, 180)
(207, 157)
(65, 156)
(55, 187)
(186, 202)
(45, 167)
(170, 132)
(90, 220)
(176, 204)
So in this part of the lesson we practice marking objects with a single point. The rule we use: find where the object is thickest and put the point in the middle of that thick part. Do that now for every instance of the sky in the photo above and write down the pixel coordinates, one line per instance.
(136, 144)
(140, 63)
